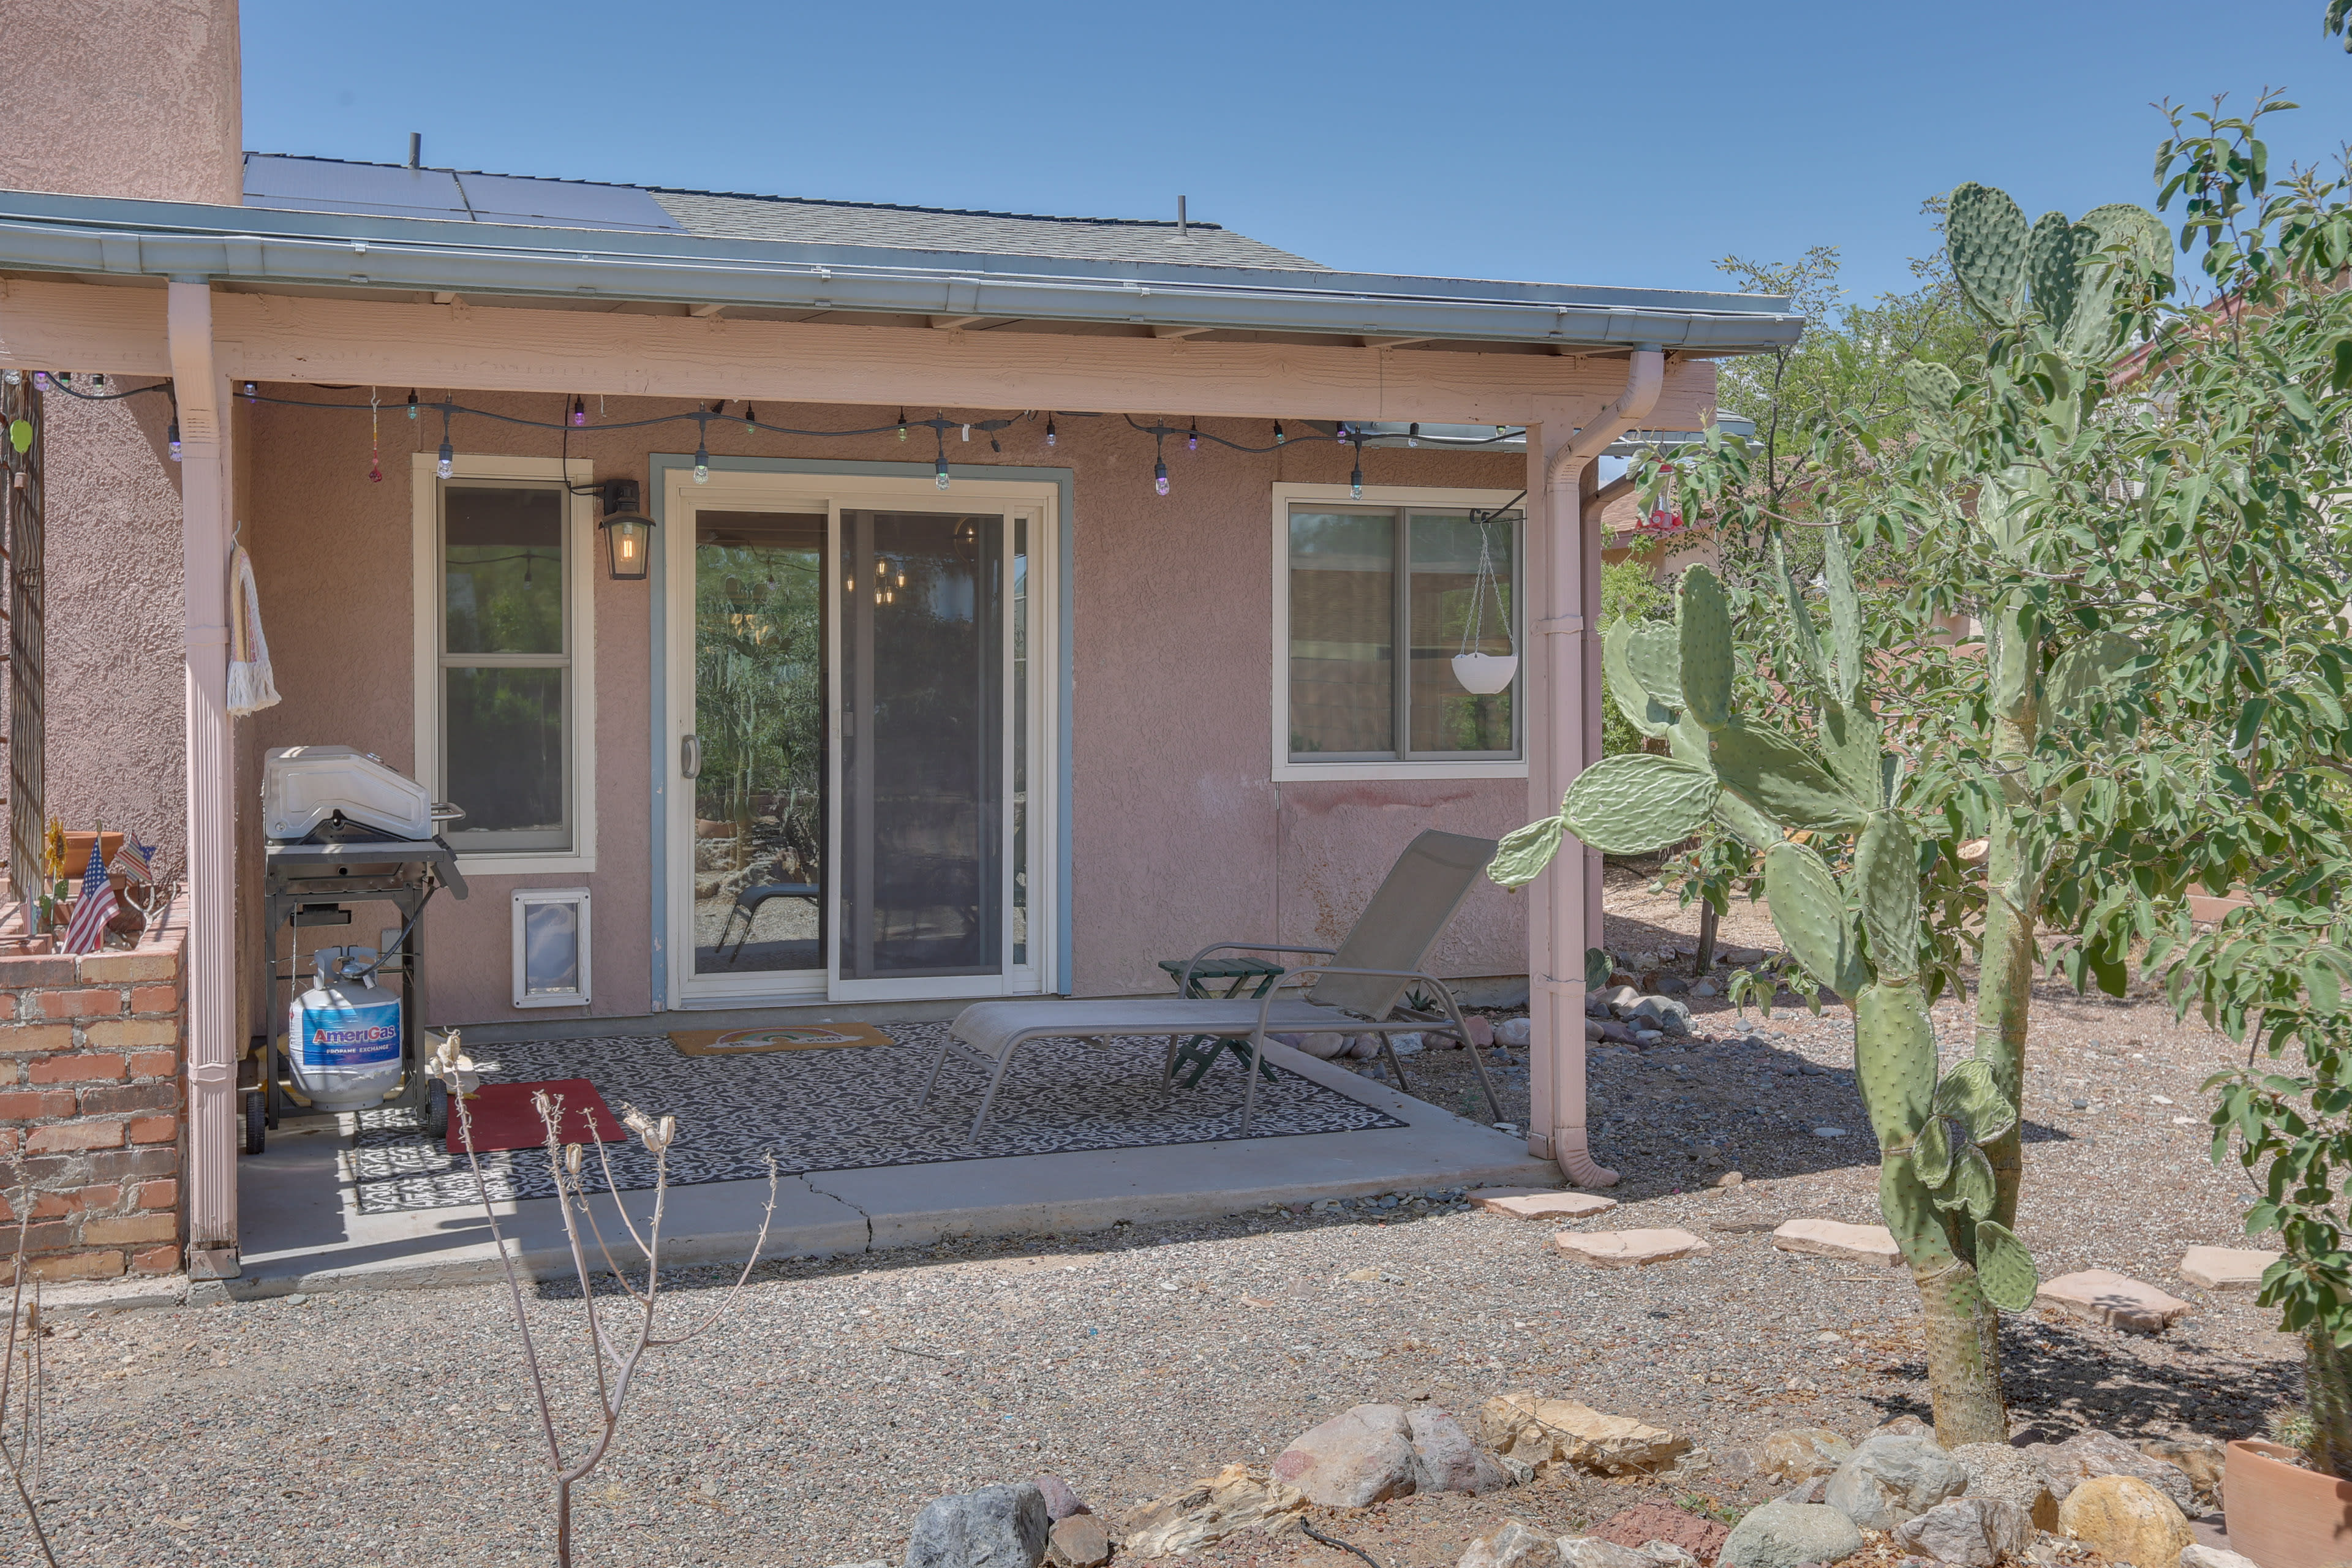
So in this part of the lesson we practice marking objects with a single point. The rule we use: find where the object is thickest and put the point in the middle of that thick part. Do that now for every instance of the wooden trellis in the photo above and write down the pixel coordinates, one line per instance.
(21, 556)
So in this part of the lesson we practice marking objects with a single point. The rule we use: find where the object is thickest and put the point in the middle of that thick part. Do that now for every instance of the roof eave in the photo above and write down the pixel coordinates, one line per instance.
(105, 235)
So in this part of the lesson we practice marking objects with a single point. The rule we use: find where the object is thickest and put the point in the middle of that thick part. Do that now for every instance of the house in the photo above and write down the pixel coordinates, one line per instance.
(1026, 599)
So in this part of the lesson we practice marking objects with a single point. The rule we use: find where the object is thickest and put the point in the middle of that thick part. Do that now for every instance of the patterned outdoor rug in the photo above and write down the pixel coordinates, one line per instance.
(844, 1111)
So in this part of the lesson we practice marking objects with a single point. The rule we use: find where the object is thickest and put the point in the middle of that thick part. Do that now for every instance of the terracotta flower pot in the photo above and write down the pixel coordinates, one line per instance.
(2280, 1514)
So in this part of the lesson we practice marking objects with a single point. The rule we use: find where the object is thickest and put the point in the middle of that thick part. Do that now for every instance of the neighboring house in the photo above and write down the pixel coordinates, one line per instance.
(1028, 732)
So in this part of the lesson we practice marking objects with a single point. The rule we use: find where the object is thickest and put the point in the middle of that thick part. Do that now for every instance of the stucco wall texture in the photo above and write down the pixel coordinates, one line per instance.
(1180, 835)
(123, 97)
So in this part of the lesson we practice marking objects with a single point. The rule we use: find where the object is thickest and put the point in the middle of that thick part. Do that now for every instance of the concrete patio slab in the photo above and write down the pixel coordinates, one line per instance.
(301, 1231)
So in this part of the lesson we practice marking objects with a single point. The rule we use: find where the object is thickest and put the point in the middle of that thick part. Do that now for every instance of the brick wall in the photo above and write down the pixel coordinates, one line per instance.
(93, 1107)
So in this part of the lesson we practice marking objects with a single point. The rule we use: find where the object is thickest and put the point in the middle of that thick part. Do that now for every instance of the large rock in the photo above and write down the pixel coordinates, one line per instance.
(1444, 1459)
(1802, 1452)
(1515, 1033)
(2124, 1520)
(2118, 1300)
(1513, 1546)
(995, 1527)
(1786, 1535)
(1232, 1500)
(2086, 1455)
(2000, 1472)
(1629, 1249)
(1834, 1239)
(1356, 1459)
(1890, 1479)
(1970, 1531)
(1061, 1502)
(1661, 1528)
(1078, 1541)
(2201, 1459)
(1539, 1433)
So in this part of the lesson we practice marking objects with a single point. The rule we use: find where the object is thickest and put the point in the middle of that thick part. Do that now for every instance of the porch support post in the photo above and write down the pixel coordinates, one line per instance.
(1563, 737)
(204, 501)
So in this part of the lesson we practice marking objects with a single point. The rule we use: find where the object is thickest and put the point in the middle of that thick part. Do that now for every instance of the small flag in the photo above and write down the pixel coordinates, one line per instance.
(131, 861)
(86, 932)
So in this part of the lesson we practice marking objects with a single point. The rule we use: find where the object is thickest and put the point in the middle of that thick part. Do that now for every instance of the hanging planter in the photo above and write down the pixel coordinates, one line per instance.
(1485, 674)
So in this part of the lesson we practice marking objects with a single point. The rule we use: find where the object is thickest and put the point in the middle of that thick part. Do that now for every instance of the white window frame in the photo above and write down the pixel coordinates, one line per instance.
(428, 595)
(1285, 496)
(520, 901)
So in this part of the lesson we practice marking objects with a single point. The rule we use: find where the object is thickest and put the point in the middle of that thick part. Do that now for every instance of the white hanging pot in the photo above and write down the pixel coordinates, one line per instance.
(1485, 673)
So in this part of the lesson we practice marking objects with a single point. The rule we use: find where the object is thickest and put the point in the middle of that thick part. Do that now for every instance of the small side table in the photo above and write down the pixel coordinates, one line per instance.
(1200, 1052)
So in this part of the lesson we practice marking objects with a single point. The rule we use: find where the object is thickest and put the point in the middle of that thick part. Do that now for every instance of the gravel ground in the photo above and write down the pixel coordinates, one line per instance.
(809, 1428)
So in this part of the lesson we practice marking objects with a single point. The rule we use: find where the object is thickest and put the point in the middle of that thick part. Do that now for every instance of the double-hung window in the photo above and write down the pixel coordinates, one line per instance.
(502, 730)
(1378, 600)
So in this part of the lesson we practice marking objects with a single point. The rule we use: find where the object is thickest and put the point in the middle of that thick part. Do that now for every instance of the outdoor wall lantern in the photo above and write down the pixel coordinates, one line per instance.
(628, 532)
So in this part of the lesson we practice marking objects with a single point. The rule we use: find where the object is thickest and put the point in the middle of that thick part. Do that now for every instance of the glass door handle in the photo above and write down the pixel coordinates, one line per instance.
(689, 757)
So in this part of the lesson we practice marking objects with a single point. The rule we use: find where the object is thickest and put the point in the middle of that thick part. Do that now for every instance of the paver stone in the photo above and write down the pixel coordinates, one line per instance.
(1630, 1248)
(1836, 1238)
(2115, 1299)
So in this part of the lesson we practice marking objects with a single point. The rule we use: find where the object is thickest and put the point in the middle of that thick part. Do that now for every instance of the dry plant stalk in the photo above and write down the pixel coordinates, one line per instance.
(617, 1356)
(29, 1445)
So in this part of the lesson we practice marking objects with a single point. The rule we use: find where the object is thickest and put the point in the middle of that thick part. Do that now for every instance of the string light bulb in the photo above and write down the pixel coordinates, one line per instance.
(1159, 478)
(1356, 477)
(1049, 428)
(701, 462)
(41, 381)
(248, 391)
(940, 470)
(902, 424)
(1413, 434)
(1278, 436)
(412, 403)
(579, 409)
(750, 420)
(446, 459)
(1192, 437)
(172, 436)
(97, 381)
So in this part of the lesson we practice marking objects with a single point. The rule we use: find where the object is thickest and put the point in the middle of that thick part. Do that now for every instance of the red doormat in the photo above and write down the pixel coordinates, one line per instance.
(504, 1116)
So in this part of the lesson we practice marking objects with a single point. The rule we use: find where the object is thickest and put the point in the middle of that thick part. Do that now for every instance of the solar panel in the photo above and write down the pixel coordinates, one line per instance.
(320, 184)
(564, 204)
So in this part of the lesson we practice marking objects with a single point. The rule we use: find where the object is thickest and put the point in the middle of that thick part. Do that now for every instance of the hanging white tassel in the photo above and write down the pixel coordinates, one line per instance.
(250, 686)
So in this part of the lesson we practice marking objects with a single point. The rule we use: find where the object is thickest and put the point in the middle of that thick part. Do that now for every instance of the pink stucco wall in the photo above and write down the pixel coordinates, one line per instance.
(1181, 837)
(123, 97)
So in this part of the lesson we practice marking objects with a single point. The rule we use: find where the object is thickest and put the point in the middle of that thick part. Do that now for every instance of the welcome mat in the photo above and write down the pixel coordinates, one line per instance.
(841, 1110)
(503, 1116)
(777, 1038)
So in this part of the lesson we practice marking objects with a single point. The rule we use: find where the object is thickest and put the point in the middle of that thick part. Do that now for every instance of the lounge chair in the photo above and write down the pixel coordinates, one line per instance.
(1355, 990)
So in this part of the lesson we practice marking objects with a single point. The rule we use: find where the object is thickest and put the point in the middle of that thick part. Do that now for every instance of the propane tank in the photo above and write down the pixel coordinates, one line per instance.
(343, 1035)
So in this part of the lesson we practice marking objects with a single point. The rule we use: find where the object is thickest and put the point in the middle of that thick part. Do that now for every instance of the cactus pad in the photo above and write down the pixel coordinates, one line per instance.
(1774, 774)
(1972, 1183)
(1886, 874)
(1970, 1096)
(1931, 1155)
(1930, 386)
(1808, 911)
(1893, 1060)
(1633, 803)
(2004, 1269)
(1851, 747)
(1524, 852)
(1747, 824)
(1643, 711)
(1654, 653)
(1808, 638)
(1986, 235)
(1845, 616)
(2054, 254)
(1703, 616)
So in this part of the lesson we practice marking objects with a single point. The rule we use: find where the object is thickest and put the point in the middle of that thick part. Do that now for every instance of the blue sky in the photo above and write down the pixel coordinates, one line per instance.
(1575, 143)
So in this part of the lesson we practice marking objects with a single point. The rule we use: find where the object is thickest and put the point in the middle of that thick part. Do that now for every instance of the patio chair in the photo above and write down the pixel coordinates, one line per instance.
(1355, 990)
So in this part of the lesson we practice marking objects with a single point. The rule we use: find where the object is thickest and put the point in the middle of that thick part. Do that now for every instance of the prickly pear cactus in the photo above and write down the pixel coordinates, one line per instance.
(1858, 936)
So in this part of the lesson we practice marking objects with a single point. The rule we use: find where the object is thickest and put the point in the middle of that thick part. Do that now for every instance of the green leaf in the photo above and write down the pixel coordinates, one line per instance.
(1636, 803)
(1598, 967)
(2087, 669)
(2005, 1270)
(1774, 774)
(1524, 852)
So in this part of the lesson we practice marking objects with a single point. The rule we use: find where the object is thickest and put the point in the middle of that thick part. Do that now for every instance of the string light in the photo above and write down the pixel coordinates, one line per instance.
(1192, 437)
(97, 381)
(1159, 478)
(446, 460)
(412, 403)
(248, 393)
(1278, 436)
(940, 470)
(1049, 425)
(701, 462)
(1356, 478)
(751, 422)
(579, 410)
(171, 436)
(41, 381)
(1413, 434)
(902, 429)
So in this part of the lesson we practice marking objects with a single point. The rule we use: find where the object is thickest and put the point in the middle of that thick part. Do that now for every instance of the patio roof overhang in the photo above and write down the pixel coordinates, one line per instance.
(107, 238)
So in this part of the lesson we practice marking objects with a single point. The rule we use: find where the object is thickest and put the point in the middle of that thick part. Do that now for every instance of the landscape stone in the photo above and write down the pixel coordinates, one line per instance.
(1890, 1479)
(2000, 1472)
(1834, 1239)
(1361, 1456)
(1591, 1551)
(1515, 1033)
(995, 1527)
(1614, 996)
(1901, 1426)
(2202, 1459)
(1629, 1249)
(1649, 1525)
(1078, 1541)
(1323, 1047)
(1970, 1531)
(1539, 1433)
(1539, 1203)
(1515, 1545)
(1801, 1452)
(1663, 1012)
(2226, 1267)
(2124, 1520)
(1060, 1500)
(2200, 1556)
(2115, 1299)
(1666, 1555)
(1444, 1459)
(1227, 1503)
(1783, 1534)
(2086, 1455)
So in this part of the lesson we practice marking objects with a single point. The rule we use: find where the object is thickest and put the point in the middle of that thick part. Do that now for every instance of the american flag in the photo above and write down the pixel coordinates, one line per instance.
(132, 862)
(86, 932)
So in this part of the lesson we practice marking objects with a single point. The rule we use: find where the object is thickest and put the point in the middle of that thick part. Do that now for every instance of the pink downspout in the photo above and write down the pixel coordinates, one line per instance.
(1567, 739)
(204, 501)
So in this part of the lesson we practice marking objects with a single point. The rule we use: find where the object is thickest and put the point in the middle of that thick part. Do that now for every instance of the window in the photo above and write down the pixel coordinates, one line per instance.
(503, 585)
(1378, 600)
